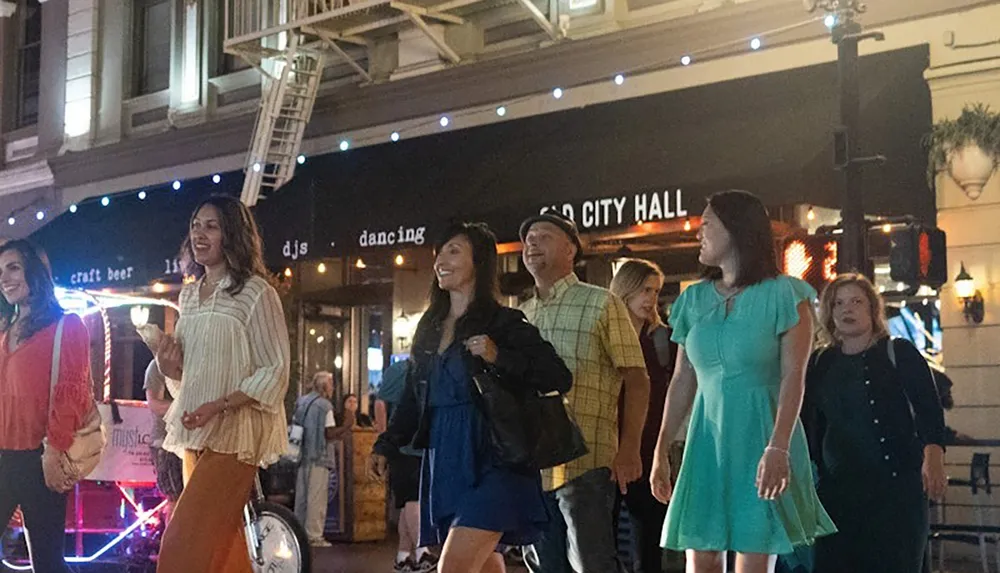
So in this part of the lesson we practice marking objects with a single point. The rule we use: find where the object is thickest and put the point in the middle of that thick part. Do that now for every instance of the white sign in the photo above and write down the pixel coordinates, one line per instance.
(401, 236)
(624, 210)
(126, 456)
(295, 249)
(95, 275)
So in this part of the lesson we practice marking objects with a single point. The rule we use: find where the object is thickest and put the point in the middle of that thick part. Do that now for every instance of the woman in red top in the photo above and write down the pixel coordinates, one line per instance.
(29, 314)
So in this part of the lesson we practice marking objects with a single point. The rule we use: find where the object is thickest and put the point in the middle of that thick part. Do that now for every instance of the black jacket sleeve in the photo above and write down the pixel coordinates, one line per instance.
(405, 419)
(524, 355)
(813, 421)
(921, 391)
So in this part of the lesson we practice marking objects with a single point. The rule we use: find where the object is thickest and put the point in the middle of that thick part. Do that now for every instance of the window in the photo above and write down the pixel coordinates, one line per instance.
(226, 63)
(151, 35)
(29, 62)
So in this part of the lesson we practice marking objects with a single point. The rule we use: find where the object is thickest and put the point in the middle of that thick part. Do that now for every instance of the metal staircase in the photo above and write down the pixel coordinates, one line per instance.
(286, 106)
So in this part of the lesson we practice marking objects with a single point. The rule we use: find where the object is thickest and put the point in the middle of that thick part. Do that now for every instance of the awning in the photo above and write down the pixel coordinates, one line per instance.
(129, 243)
(770, 134)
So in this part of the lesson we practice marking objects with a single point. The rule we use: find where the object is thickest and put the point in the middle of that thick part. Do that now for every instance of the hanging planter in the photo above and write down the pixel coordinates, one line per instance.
(967, 149)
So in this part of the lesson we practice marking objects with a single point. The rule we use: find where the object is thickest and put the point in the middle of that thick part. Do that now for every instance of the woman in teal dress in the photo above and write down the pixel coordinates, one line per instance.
(745, 334)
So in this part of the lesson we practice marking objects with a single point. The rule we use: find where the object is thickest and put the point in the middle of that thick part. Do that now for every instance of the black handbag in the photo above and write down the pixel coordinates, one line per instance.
(528, 429)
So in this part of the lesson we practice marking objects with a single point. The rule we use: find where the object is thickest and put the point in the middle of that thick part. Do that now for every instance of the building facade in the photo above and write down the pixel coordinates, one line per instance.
(106, 97)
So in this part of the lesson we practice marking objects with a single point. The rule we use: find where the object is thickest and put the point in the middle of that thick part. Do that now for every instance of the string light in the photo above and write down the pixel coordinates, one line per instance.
(288, 272)
(142, 197)
(301, 159)
(256, 167)
(176, 185)
(11, 221)
(399, 260)
(216, 178)
(321, 268)
(811, 214)
(345, 145)
(687, 225)
(887, 228)
(105, 201)
(723, 49)
(360, 264)
(40, 215)
(72, 208)
(830, 21)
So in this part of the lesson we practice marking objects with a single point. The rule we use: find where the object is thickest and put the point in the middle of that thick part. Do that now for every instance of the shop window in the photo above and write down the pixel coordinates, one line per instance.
(151, 41)
(29, 61)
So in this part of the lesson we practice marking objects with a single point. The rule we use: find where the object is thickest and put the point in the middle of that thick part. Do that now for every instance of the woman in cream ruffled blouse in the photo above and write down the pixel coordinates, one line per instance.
(228, 368)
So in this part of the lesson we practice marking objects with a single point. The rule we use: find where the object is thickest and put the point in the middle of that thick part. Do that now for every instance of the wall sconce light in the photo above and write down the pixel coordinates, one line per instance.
(973, 306)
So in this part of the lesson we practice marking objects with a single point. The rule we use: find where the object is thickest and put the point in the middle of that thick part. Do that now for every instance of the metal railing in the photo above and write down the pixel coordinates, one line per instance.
(249, 18)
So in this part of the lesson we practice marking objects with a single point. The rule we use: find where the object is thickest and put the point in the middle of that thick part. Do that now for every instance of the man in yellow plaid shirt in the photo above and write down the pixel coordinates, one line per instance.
(591, 330)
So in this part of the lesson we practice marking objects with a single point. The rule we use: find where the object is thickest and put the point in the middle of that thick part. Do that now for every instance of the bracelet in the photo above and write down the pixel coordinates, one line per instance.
(776, 449)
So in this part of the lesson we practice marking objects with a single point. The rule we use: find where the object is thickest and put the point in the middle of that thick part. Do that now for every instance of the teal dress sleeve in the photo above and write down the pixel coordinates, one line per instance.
(680, 319)
(787, 293)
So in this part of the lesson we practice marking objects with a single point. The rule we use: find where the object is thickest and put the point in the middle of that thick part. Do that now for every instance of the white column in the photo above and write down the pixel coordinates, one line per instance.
(960, 76)
(81, 71)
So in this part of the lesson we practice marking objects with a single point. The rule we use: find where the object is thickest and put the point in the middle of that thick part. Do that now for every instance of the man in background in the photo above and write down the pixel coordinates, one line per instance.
(169, 476)
(314, 412)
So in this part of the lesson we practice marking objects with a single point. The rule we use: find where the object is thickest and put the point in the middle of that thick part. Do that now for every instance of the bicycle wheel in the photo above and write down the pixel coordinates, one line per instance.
(282, 545)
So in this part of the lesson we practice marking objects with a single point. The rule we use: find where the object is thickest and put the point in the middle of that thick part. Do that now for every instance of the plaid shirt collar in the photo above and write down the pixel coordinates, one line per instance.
(559, 288)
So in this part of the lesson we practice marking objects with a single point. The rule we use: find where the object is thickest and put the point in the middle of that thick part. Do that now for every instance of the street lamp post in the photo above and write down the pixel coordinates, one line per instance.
(847, 33)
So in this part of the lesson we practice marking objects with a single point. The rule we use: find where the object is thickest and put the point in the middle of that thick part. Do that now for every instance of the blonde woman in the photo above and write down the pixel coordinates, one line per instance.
(876, 432)
(638, 283)
(228, 368)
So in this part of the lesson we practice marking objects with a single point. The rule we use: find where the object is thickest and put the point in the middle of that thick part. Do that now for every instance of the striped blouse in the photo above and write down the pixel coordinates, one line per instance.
(232, 343)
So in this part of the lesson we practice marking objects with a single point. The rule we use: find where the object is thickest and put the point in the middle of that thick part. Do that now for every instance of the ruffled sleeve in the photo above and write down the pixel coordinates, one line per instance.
(680, 315)
(74, 395)
(269, 353)
(787, 293)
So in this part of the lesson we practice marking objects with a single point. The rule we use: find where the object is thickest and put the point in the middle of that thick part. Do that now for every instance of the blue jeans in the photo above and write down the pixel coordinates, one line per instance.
(580, 536)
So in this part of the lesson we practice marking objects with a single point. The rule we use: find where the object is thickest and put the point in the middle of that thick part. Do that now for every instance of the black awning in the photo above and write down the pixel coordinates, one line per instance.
(129, 243)
(770, 134)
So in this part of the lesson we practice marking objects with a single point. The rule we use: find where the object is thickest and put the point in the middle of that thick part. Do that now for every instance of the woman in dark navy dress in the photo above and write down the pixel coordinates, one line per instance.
(468, 502)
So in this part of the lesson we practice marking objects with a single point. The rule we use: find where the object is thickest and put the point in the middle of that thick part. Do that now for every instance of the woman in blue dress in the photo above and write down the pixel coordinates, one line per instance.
(468, 502)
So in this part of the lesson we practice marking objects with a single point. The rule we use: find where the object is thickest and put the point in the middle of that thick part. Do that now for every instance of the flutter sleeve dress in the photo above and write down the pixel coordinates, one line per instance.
(735, 350)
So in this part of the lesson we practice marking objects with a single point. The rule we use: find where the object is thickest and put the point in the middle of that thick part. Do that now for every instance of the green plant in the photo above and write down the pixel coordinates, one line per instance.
(976, 125)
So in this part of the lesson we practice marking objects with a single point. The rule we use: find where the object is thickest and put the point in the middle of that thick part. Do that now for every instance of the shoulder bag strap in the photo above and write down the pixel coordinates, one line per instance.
(305, 413)
(56, 351)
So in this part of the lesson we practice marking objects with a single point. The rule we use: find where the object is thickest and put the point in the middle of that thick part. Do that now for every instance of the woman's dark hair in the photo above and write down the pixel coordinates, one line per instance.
(359, 417)
(45, 309)
(746, 219)
(241, 243)
(484, 261)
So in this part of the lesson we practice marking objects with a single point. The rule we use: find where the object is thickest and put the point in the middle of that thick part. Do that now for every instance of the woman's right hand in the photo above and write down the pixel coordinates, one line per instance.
(170, 357)
(659, 480)
(376, 468)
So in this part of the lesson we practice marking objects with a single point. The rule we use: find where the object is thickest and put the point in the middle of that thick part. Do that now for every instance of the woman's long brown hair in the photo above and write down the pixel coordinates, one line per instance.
(242, 247)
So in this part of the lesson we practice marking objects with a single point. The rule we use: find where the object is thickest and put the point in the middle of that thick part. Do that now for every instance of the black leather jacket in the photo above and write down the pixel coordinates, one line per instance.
(524, 360)
(906, 410)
